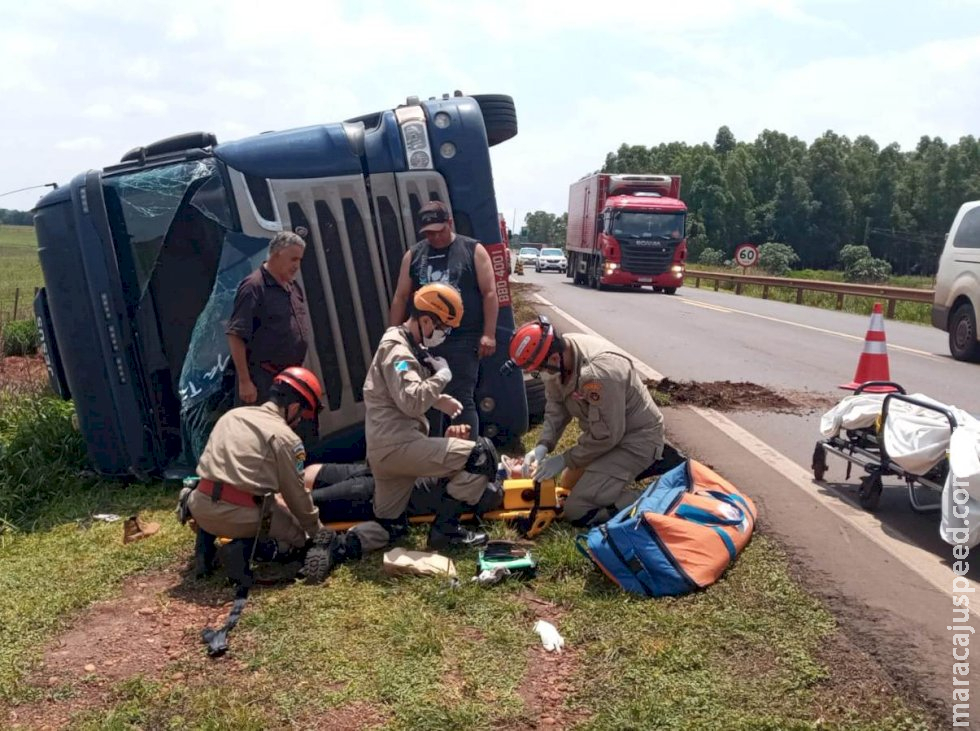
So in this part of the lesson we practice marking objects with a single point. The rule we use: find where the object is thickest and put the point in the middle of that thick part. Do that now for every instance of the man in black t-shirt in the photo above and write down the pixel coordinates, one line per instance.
(445, 256)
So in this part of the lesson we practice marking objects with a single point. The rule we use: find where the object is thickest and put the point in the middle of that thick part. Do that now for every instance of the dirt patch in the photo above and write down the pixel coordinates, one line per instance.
(855, 680)
(352, 717)
(521, 301)
(152, 629)
(739, 396)
(23, 373)
(550, 677)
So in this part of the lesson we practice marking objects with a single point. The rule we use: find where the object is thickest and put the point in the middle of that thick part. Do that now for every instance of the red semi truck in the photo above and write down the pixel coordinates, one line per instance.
(627, 230)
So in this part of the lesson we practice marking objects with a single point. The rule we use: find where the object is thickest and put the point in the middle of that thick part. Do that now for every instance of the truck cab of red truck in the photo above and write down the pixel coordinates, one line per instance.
(627, 230)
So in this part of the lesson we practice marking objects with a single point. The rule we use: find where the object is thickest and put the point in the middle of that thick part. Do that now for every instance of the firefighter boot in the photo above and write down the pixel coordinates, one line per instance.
(446, 530)
(321, 556)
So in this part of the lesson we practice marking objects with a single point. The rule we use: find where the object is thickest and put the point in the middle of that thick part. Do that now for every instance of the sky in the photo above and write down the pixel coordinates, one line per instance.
(83, 81)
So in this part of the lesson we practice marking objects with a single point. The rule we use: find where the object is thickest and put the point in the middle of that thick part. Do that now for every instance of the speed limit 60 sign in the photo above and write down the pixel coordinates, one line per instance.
(746, 255)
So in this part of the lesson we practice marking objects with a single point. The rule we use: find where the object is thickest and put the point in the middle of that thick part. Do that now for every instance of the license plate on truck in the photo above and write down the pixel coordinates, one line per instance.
(646, 280)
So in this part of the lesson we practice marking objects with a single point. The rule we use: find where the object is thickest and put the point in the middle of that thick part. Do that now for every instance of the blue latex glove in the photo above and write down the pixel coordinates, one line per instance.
(550, 467)
(532, 459)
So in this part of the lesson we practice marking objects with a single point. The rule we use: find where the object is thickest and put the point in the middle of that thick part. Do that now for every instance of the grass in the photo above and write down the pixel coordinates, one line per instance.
(749, 653)
(920, 312)
(19, 269)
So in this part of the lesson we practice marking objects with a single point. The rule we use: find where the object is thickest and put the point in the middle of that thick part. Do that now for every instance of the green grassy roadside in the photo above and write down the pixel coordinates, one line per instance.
(19, 268)
(905, 311)
(752, 652)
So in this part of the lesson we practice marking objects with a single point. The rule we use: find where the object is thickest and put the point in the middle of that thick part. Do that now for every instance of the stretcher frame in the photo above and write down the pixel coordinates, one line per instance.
(865, 448)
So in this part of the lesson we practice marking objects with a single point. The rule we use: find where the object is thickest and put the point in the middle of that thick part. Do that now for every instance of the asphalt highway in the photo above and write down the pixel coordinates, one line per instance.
(886, 575)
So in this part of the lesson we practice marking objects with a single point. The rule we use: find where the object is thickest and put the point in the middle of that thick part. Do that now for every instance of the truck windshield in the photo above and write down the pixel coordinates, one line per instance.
(648, 225)
(144, 206)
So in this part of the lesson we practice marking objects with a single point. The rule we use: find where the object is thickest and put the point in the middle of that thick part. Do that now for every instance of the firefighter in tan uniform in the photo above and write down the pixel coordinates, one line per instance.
(252, 459)
(589, 379)
(402, 384)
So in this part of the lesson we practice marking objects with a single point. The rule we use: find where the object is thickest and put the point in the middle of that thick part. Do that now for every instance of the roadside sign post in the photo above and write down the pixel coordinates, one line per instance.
(746, 255)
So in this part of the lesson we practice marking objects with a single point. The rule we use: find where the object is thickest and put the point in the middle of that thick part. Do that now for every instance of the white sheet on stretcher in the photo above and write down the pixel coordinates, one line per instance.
(853, 412)
(917, 439)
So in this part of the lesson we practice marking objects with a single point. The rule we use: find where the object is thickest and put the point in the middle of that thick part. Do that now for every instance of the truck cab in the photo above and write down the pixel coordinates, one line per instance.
(141, 261)
(627, 230)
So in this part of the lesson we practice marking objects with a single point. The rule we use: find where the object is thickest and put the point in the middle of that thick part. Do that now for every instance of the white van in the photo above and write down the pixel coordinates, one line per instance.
(956, 307)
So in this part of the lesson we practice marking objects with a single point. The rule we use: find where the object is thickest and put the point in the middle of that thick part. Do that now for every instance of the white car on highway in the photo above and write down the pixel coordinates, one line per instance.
(551, 259)
(527, 255)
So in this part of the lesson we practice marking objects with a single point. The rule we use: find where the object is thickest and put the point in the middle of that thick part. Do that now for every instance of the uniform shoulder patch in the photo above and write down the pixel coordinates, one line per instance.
(401, 366)
(299, 454)
(592, 391)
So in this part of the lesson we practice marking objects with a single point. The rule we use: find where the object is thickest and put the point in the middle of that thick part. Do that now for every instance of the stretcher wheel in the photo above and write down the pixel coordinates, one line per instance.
(819, 463)
(869, 492)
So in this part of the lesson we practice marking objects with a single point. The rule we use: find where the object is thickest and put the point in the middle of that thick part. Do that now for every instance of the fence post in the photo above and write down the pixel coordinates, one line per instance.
(840, 300)
(799, 295)
(16, 299)
(765, 291)
(738, 287)
(891, 310)
(717, 282)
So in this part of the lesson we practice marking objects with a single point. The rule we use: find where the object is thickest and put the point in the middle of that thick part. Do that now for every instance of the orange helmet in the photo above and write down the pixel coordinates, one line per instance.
(532, 344)
(307, 385)
(441, 301)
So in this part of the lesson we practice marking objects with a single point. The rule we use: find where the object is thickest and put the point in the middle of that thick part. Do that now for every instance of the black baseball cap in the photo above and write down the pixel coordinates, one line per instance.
(433, 216)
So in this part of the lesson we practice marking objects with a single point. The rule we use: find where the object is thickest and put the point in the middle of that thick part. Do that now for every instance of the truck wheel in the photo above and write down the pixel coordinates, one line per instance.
(534, 389)
(670, 290)
(963, 343)
(499, 116)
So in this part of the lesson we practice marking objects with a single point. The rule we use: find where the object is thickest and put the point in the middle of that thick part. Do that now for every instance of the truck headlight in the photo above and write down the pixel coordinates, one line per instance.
(677, 268)
(611, 266)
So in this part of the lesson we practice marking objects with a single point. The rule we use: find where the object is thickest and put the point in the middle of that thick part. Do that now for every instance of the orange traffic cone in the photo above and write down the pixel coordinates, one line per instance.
(873, 364)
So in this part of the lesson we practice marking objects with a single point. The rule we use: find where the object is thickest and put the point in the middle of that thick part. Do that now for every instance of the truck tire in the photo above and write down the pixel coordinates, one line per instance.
(963, 343)
(534, 388)
(499, 116)
(670, 290)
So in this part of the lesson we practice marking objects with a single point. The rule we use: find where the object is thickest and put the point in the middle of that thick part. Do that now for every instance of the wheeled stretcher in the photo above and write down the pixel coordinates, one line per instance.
(856, 431)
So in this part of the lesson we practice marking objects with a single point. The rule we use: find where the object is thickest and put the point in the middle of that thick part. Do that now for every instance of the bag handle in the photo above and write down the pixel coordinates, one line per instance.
(579, 540)
(699, 515)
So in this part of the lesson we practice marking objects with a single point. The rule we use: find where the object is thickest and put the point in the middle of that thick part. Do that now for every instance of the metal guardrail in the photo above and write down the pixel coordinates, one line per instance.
(890, 294)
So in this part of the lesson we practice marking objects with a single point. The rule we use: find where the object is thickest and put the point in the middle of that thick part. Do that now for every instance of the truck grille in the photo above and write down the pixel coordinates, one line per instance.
(646, 257)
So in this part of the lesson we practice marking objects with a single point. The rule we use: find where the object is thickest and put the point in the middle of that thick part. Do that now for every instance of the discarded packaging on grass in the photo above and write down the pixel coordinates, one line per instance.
(489, 577)
(400, 562)
(552, 641)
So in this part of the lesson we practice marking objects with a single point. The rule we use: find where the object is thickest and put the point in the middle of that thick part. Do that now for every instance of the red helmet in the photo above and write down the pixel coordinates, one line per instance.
(532, 344)
(307, 385)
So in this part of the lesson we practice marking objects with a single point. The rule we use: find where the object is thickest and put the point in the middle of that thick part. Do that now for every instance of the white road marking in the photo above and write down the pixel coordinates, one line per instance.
(648, 372)
(913, 351)
(705, 305)
(922, 562)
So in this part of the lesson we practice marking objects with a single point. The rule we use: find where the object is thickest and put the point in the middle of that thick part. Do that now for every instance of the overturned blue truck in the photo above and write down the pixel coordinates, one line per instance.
(141, 261)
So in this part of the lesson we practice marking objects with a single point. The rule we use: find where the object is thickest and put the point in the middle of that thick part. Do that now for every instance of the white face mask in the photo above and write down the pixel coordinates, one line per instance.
(437, 338)
(548, 376)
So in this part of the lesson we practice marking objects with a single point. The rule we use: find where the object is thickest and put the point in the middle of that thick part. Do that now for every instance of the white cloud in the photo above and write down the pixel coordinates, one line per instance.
(142, 69)
(101, 111)
(81, 143)
(142, 104)
(182, 27)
